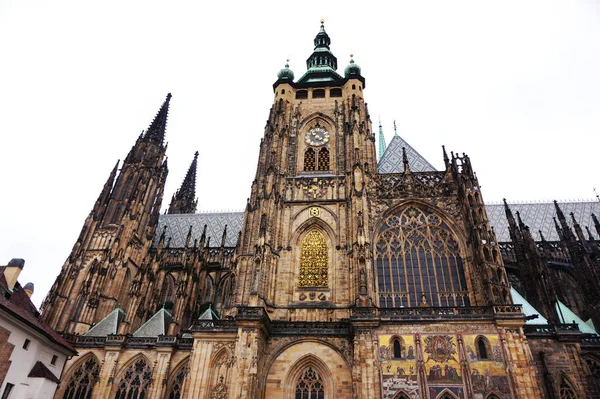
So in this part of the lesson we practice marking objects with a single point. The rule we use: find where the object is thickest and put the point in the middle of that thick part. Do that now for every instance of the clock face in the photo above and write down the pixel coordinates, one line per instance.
(316, 136)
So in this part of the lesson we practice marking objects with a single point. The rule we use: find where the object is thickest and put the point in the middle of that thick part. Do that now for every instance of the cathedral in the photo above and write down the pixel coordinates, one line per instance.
(347, 276)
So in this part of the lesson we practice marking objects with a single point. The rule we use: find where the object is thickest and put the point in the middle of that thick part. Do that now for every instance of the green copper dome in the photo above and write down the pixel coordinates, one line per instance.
(352, 69)
(286, 73)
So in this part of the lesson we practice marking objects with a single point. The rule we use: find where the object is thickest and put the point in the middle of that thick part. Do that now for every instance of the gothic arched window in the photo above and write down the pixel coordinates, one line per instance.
(566, 390)
(135, 382)
(594, 367)
(309, 160)
(323, 162)
(176, 385)
(168, 290)
(483, 348)
(418, 262)
(83, 380)
(397, 346)
(310, 385)
(314, 262)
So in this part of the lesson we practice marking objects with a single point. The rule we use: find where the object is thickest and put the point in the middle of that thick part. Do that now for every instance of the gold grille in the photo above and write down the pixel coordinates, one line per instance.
(313, 261)
(309, 160)
(323, 159)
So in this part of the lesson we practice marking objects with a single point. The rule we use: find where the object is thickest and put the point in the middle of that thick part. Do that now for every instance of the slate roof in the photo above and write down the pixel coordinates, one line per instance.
(391, 161)
(538, 216)
(179, 225)
(108, 325)
(156, 325)
(528, 309)
(18, 305)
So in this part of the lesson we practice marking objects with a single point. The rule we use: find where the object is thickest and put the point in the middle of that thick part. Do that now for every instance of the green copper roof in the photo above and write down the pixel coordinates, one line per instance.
(322, 64)
(381, 142)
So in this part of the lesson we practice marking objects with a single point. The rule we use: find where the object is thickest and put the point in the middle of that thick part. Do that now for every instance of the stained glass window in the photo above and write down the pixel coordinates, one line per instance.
(310, 385)
(418, 262)
(314, 262)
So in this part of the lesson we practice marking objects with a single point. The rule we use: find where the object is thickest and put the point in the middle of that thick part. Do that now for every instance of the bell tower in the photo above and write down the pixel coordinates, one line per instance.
(305, 220)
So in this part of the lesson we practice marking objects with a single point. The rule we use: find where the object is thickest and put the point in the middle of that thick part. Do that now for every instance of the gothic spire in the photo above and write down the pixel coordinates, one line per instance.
(381, 141)
(156, 131)
(106, 190)
(596, 223)
(184, 200)
(322, 64)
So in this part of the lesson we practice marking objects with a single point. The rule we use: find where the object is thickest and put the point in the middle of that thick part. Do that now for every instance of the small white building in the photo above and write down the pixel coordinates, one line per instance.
(32, 355)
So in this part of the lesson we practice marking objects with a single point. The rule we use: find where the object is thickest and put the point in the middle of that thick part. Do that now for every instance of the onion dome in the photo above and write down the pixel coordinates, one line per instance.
(286, 73)
(353, 69)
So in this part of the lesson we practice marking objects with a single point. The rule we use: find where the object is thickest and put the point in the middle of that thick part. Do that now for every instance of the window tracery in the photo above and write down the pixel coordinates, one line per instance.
(594, 367)
(83, 380)
(176, 389)
(418, 262)
(482, 346)
(310, 385)
(309, 160)
(314, 262)
(566, 390)
(135, 381)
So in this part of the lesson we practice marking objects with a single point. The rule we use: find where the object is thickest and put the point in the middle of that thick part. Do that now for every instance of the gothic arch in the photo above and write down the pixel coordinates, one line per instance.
(308, 364)
(134, 379)
(314, 118)
(81, 379)
(177, 380)
(419, 259)
(566, 388)
(593, 364)
(446, 394)
(483, 348)
(310, 224)
(401, 395)
(220, 366)
(397, 347)
(321, 209)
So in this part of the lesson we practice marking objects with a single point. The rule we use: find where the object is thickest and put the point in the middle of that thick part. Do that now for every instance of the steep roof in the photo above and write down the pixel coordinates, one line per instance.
(528, 309)
(108, 325)
(156, 325)
(18, 305)
(538, 216)
(179, 225)
(391, 161)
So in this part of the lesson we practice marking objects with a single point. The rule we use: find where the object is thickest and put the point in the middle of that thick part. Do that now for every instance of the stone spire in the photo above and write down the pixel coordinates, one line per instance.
(156, 131)
(184, 200)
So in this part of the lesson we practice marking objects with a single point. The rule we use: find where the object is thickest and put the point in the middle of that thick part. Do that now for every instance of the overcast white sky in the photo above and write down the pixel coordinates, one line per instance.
(514, 84)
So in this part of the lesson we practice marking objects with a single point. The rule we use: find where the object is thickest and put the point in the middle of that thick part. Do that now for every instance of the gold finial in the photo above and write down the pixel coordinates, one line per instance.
(287, 60)
(351, 55)
(322, 21)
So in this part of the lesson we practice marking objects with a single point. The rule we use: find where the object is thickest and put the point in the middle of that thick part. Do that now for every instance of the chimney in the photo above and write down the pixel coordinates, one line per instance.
(28, 289)
(12, 271)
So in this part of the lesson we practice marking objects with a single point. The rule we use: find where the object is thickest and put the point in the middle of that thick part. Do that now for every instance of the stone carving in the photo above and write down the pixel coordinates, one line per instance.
(219, 391)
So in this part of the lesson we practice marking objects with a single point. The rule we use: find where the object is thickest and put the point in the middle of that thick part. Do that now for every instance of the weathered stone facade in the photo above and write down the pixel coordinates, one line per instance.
(343, 282)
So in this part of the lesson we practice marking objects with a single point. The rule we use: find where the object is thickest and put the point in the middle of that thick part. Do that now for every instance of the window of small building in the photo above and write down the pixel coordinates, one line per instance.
(353, 87)
(318, 93)
(301, 94)
(323, 161)
(282, 91)
(7, 389)
(337, 92)
(309, 160)
(26, 344)
(54, 359)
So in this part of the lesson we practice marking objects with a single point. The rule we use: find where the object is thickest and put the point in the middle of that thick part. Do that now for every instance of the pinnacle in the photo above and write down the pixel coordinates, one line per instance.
(156, 131)
(184, 200)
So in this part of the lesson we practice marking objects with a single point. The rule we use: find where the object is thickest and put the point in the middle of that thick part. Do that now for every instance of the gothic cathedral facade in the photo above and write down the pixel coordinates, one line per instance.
(341, 282)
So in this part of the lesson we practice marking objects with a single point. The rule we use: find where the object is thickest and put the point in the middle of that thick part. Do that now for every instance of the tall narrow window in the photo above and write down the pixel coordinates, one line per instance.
(482, 350)
(310, 385)
(7, 389)
(135, 381)
(323, 163)
(314, 262)
(168, 291)
(83, 380)
(309, 160)
(418, 262)
(397, 350)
